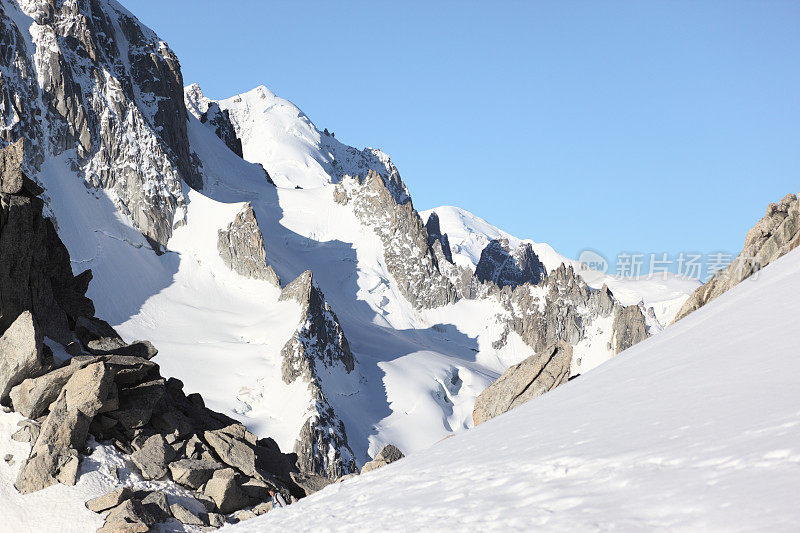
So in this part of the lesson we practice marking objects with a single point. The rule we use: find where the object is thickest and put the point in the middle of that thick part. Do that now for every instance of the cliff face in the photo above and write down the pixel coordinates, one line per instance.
(84, 78)
(775, 235)
(318, 348)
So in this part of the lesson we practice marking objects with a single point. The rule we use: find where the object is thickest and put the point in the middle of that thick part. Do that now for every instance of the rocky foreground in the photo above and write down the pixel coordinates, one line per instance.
(74, 378)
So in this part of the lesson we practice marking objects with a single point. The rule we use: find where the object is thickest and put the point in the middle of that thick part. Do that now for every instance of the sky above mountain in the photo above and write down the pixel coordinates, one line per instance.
(658, 127)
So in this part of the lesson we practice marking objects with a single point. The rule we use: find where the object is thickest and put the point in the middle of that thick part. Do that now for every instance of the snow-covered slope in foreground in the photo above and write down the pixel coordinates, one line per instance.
(697, 428)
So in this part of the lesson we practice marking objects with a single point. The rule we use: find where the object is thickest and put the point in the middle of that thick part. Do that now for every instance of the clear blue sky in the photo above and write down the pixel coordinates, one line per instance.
(621, 126)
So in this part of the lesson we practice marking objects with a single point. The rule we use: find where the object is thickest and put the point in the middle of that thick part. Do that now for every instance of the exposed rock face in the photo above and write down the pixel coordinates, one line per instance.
(559, 309)
(536, 375)
(502, 266)
(209, 113)
(435, 234)
(241, 247)
(88, 78)
(630, 327)
(317, 348)
(409, 257)
(388, 454)
(775, 235)
(35, 270)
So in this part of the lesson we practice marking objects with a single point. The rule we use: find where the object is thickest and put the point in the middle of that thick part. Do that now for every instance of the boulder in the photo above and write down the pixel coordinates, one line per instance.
(312, 483)
(22, 353)
(129, 516)
(109, 500)
(193, 473)
(106, 346)
(131, 370)
(233, 451)
(389, 454)
(136, 404)
(53, 457)
(33, 396)
(226, 493)
(532, 377)
(153, 458)
(155, 503)
(185, 516)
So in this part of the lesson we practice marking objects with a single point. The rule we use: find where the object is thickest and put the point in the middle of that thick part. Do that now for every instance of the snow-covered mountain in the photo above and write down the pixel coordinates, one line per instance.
(282, 274)
(693, 430)
(143, 187)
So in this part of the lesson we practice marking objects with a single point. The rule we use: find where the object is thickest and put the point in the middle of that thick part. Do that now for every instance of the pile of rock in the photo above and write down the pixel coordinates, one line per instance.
(116, 393)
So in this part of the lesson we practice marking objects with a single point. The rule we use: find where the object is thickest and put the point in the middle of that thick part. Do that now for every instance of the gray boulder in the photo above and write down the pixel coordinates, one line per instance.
(388, 454)
(193, 473)
(184, 515)
(226, 493)
(136, 403)
(129, 516)
(525, 381)
(310, 483)
(54, 457)
(153, 458)
(109, 500)
(22, 354)
(33, 396)
(233, 451)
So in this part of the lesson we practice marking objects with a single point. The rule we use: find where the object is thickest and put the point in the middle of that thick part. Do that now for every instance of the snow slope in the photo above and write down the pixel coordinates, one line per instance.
(695, 429)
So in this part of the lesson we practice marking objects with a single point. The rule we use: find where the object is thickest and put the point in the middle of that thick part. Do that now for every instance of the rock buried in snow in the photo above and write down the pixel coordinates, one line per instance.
(153, 457)
(22, 353)
(532, 377)
(109, 500)
(389, 454)
(184, 515)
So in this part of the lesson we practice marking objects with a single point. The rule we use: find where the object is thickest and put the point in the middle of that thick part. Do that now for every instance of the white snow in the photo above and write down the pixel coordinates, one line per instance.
(696, 429)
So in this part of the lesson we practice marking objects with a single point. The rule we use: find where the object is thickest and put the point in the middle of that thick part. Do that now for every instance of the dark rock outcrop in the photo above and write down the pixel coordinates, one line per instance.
(435, 234)
(536, 375)
(241, 247)
(319, 345)
(110, 93)
(630, 327)
(406, 251)
(502, 266)
(772, 237)
(209, 113)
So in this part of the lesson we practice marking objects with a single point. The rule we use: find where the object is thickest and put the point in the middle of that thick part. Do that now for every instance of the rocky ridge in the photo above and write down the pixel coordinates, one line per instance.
(316, 349)
(775, 235)
(85, 78)
(114, 392)
(241, 247)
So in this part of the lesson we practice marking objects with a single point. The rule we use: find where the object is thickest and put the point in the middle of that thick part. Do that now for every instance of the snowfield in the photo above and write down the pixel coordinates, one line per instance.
(697, 428)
